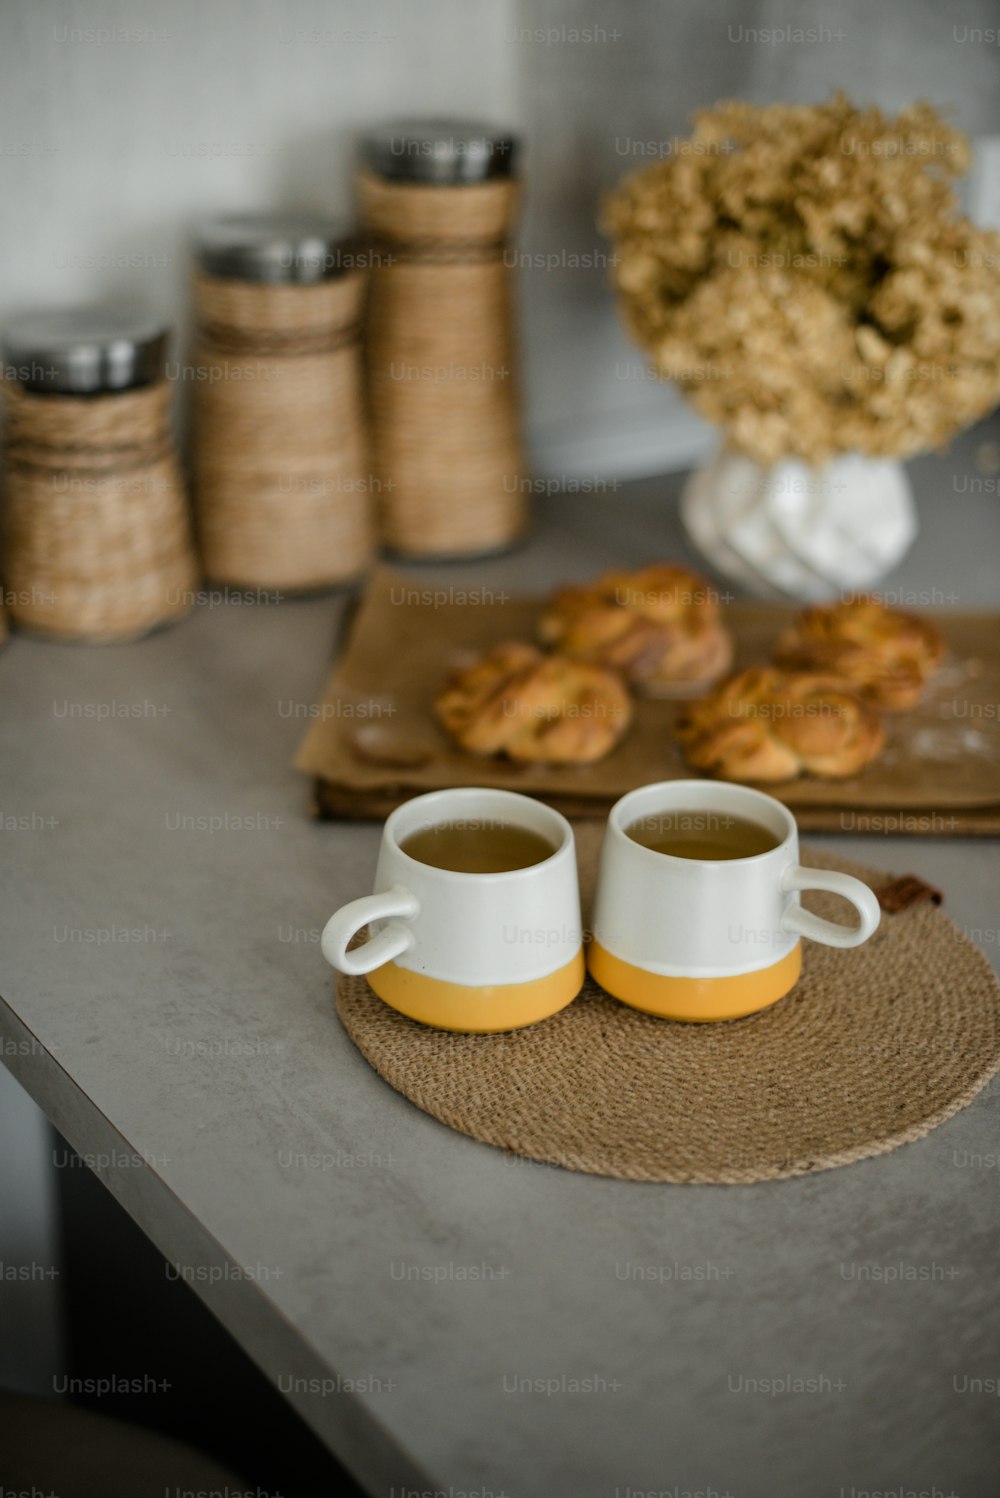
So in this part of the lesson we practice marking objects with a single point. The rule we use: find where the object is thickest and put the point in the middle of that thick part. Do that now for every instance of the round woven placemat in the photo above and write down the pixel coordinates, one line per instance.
(872, 1049)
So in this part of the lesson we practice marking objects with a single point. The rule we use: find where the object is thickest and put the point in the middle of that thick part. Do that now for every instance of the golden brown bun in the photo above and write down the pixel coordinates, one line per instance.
(544, 708)
(887, 655)
(764, 724)
(659, 627)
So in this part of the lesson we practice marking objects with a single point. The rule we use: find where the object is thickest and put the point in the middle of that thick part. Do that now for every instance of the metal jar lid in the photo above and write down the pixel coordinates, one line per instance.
(297, 248)
(443, 153)
(92, 350)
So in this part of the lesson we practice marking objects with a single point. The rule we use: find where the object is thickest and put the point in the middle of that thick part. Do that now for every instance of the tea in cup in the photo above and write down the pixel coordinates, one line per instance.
(475, 918)
(697, 914)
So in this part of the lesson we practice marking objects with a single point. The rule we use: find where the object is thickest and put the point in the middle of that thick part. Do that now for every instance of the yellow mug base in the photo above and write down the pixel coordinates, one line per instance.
(696, 1000)
(477, 1011)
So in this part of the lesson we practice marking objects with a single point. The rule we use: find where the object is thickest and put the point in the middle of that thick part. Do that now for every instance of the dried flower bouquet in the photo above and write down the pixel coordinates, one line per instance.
(803, 273)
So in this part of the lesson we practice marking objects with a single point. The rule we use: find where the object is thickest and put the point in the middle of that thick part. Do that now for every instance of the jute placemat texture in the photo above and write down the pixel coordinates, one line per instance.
(872, 1049)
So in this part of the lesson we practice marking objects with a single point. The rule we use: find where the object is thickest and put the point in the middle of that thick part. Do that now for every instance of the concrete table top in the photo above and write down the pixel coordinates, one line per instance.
(447, 1318)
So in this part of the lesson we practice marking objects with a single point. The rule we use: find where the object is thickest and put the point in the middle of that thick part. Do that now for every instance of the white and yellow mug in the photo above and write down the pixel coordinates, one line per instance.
(461, 951)
(696, 939)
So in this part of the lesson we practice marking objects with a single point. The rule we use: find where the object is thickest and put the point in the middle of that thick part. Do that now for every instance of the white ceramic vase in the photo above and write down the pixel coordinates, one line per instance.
(798, 531)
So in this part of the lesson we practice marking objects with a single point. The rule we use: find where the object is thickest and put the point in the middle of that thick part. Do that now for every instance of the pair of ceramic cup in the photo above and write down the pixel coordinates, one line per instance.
(686, 939)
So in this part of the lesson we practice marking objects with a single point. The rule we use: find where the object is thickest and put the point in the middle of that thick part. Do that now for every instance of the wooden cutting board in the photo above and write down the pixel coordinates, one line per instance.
(372, 741)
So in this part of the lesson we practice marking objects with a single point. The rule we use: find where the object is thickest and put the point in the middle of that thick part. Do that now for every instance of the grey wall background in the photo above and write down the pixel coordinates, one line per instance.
(113, 148)
(123, 121)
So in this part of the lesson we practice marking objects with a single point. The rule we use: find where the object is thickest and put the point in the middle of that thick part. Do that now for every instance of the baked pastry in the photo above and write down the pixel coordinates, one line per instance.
(659, 627)
(515, 700)
(888, 656)
(764, 724)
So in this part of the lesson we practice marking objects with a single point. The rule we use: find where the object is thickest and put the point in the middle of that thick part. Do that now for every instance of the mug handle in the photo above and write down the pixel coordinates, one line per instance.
(392, 941)
(804, 923)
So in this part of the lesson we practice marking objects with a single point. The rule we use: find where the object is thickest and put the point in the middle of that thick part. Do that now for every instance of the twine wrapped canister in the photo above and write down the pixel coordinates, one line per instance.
(438, 203)
(282, 483)
(96, 542)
